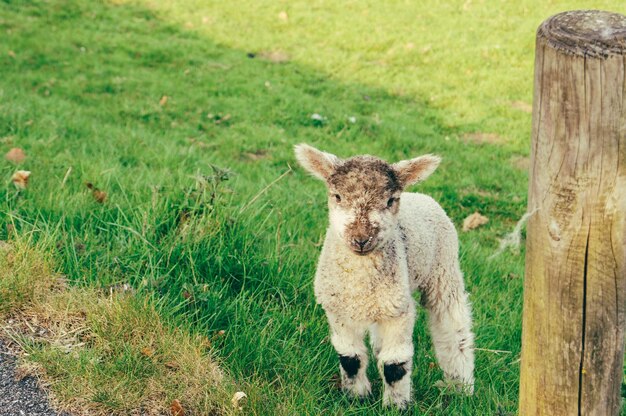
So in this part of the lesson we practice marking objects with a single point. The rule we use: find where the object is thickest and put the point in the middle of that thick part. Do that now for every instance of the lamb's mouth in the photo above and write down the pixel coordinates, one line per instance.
(364, 251)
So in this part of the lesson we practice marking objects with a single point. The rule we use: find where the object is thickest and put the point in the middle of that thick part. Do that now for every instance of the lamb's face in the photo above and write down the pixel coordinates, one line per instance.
(364, 193)
(363, 201)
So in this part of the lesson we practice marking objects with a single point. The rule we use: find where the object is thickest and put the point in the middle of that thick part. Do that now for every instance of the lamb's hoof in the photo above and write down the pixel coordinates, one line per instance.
(359, 390)
(358, 387)
(402, 405)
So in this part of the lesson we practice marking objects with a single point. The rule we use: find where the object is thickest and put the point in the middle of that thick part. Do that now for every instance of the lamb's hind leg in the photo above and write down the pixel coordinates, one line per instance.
(450, 326)
(348, 340)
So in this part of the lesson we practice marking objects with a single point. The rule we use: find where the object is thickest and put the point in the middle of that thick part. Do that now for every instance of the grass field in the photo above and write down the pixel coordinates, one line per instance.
(185, 115)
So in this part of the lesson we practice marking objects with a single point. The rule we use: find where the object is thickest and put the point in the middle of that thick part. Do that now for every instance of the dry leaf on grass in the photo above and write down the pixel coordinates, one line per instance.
(15, 155)
(172, 365)
(147, 352)
(20, 179)
(482, 138)
(177, 408)
(256, 155)
(474, 221)
(522, 106)
(277, 57)
(520, 162)
(98, 195)
(238, 400)
(222, 119)
(163, 100)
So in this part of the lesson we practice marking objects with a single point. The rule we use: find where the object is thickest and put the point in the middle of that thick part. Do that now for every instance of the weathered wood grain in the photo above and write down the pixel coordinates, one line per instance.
(575, 280)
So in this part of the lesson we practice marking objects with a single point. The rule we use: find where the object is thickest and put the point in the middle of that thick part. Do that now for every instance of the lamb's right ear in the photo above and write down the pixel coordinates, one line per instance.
(318, 163)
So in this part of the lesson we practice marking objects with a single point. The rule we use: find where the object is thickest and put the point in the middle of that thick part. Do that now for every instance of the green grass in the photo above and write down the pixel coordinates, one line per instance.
(81, 87)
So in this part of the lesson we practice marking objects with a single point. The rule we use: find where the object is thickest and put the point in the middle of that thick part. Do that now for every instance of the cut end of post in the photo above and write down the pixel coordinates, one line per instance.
(586, 33)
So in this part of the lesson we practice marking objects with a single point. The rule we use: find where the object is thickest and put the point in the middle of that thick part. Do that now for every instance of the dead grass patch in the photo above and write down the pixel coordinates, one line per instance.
(482, 138)
(105, 355)
(521, 162)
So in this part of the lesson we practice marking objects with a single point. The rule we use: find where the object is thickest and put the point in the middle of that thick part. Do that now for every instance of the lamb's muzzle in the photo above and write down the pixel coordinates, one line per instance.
(382, 245)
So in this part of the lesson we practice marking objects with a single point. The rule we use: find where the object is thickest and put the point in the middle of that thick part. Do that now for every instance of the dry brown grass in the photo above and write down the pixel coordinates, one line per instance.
(104, 354)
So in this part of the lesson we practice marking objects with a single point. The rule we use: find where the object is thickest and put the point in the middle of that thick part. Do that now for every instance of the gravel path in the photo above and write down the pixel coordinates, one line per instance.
(20, 398)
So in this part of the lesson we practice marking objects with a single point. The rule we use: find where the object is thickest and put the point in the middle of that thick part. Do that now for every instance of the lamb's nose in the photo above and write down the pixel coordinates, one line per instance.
(360, 243)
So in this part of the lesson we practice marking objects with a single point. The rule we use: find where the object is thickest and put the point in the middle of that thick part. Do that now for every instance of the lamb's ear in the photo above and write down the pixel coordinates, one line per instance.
(320, 164)
(416, 170)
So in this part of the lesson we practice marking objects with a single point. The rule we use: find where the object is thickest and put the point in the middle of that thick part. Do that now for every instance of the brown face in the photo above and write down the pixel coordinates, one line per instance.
(364, 199)
(364, 193)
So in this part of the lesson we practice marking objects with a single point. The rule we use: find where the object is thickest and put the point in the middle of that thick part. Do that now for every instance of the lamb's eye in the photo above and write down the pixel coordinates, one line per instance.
(337, 198)
(390, 202)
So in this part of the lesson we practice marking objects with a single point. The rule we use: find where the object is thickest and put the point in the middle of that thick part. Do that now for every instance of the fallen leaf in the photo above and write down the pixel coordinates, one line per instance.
(223, 119)
(481, 138)
(98, 195)
(474, 221)
(173, 365)
(277, 57)
(177, 408)
(15, 155)
(257, 154)
(238, 400)
(200, 143)
(522, 106)
(521, 162)
(163, 100)
(20, 179)
(147, 352)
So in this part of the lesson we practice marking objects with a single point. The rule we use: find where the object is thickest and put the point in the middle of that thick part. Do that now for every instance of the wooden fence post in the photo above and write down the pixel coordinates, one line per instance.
(575, 282)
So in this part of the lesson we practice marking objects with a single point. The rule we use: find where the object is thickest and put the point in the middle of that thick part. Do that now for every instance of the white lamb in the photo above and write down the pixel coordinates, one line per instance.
(381, 246)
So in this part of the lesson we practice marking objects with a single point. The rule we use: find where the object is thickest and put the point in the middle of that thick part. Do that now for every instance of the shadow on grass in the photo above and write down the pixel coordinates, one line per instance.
(112, 96)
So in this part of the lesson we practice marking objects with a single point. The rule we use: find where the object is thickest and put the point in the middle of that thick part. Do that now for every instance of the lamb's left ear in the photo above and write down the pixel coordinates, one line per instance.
(320, 164)
(416, 170)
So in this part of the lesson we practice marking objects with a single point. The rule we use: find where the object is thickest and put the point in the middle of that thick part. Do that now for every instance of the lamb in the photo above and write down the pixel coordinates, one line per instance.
(383, 244)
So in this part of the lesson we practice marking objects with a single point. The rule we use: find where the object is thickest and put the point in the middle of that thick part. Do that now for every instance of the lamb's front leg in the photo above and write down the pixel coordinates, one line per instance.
(348, 339)
(394, 342)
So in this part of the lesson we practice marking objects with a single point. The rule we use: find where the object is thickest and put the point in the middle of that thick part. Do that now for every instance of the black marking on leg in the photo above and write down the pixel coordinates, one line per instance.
(394, 372)
(462, 345)
(350, 364)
